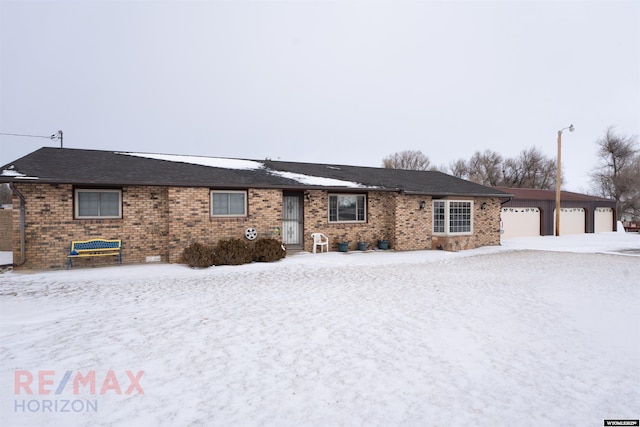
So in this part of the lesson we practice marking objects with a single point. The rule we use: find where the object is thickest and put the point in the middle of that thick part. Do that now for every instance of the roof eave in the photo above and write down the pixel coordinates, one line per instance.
(299, 187)
(454, 194)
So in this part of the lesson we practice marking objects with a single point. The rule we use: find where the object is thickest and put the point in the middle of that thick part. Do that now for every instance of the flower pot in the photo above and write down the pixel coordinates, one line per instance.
(343, 246)
(362, 246)
(383, 244)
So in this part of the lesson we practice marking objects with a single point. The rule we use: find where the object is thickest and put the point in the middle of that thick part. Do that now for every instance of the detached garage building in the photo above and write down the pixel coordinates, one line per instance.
(531, 212)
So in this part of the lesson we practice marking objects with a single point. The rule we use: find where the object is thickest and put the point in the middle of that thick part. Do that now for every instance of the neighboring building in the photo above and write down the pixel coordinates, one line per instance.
(531, 212)
(159, 204)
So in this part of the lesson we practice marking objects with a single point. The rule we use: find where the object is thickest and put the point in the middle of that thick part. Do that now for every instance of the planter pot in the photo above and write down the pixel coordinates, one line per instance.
(383, 244)
(343, 246)
(362, 246)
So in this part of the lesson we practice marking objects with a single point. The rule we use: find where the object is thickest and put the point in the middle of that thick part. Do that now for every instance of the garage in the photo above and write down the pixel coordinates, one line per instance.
(572, 221)
(603, 220)
(581, 213)
(520, 222)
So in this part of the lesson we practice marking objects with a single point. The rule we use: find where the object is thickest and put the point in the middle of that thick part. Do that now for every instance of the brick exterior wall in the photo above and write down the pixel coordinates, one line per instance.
(191, 219)
(6, 218)
(381, 208)
(50, 226)
(413, 225)
(163, 221)
(486, 228)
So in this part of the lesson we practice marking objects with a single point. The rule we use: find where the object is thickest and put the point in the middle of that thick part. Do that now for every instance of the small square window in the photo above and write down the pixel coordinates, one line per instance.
(347, 208)
(98, 203)
(228, 203)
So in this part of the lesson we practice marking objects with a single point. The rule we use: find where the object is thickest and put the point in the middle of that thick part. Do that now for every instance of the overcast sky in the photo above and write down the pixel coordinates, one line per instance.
(346, 82)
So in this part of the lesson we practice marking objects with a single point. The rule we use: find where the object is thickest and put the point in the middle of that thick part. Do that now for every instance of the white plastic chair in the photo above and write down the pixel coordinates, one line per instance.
(321, 240)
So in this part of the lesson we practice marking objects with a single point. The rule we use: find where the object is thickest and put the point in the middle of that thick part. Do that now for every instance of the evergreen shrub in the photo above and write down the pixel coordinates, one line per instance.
(232, 252)
(268, 250)
(198, 255)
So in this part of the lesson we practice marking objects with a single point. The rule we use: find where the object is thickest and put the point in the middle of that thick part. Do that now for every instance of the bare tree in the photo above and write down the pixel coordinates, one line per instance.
(534, 170)
(459, 168)
(486, 168)
(617, 173)
(511, 173)
(407, 159)
(633, 195)
(531, 169)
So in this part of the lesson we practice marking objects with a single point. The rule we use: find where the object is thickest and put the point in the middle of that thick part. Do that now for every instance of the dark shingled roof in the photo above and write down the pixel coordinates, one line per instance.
(95, 167)
(409, 181)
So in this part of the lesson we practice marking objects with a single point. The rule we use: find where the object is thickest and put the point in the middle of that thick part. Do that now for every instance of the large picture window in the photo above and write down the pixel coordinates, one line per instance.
(347, 208)
(228, 203)
(90, 203)
(452, 217)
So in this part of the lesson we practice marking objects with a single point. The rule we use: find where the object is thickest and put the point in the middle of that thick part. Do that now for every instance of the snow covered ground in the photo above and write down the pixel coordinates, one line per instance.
(540, 331)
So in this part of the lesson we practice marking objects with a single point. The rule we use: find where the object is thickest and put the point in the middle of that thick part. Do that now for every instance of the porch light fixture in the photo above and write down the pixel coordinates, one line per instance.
(558, 178)
(483, 206)
(423, 204)
(307, 195)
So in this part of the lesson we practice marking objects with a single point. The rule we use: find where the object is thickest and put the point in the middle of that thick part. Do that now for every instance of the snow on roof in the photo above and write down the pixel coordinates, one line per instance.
(11, 172)
(15, 173)
(316, 180)
(226, 163)
(214, 162)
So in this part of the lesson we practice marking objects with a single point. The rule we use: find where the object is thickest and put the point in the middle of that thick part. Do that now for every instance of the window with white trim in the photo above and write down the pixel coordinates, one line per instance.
(347, 207)
(228, 203)
(98, 204)
(452, 217)
(439, 216)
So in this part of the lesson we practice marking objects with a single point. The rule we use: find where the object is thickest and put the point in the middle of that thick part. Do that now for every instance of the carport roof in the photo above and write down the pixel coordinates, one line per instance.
(535, 194)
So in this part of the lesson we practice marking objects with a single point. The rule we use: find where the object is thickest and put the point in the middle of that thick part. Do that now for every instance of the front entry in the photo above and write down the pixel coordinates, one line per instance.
(292, 225)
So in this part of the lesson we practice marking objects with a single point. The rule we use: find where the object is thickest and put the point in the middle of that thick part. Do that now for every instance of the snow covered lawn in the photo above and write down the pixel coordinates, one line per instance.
(496, 336)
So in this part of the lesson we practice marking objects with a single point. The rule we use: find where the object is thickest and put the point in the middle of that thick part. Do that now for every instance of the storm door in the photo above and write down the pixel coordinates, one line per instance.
(292, 227)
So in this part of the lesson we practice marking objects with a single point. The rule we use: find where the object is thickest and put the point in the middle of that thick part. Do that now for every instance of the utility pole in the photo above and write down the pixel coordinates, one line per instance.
(558, 178)
(58, 135)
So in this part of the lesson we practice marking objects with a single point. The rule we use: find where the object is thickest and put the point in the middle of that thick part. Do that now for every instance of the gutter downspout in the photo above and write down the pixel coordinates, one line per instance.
(22, 221)
(502, 203)
(506, 201)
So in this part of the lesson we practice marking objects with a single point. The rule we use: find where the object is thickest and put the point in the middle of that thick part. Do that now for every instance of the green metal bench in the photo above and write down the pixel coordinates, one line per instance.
(94, 248)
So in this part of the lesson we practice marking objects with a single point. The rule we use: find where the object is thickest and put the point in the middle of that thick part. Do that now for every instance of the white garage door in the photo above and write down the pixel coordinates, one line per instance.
(572, 221)
(603, 220)
(520, 222)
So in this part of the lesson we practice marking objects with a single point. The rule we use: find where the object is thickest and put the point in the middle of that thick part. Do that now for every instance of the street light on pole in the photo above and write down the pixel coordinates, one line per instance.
(558, 178)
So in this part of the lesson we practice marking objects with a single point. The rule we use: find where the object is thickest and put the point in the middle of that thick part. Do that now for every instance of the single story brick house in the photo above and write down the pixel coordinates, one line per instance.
(159, 204)
(531, 212)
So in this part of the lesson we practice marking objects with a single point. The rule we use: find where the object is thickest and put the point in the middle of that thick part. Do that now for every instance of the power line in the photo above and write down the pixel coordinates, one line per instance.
(54, 137)
(32, 136)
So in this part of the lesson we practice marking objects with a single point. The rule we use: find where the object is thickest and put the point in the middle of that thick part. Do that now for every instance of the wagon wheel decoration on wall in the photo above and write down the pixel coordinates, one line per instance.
(250, 233)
